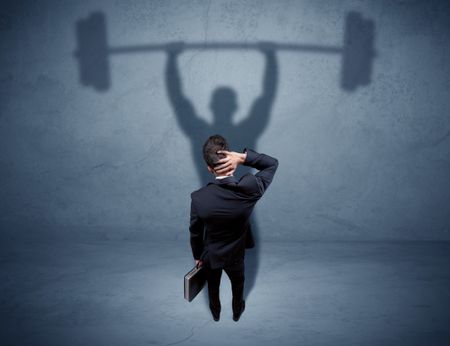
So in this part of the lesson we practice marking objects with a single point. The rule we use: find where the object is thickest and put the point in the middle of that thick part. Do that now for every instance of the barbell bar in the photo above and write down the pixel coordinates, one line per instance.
(357, 52)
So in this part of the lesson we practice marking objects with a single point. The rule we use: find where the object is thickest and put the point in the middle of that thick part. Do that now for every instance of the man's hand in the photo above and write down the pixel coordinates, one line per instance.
(228, 164)
(198, 263)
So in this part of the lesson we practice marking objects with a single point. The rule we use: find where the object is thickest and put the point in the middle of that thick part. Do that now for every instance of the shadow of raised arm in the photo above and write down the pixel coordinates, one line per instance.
(258, 117)
(183, 108)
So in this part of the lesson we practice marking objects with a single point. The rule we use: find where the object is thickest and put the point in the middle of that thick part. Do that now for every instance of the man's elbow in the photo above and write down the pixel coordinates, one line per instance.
(275, 163)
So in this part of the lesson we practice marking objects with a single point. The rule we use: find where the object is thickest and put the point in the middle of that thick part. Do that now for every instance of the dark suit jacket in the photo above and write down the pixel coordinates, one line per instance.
(222, 210)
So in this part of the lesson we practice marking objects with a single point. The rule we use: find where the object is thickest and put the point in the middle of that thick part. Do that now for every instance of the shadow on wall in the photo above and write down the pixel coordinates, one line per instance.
(358, 51)
(93, 57)
(93, 51)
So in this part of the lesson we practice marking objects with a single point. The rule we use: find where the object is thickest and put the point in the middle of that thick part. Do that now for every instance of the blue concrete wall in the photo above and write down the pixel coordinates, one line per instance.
(120, 163)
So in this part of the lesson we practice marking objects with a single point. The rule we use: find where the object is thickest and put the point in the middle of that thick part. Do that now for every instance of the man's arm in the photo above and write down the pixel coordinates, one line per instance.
(257, 183)
(196, 229)
(267, 166)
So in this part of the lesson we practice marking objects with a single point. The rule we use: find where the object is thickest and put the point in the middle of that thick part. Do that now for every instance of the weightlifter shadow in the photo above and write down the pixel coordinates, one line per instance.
(243, 134)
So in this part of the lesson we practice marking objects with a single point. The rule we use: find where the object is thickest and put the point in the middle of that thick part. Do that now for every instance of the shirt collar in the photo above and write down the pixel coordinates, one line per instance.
(224, 176)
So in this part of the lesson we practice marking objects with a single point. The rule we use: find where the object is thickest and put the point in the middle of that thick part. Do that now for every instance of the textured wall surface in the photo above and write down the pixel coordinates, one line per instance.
(367, 164)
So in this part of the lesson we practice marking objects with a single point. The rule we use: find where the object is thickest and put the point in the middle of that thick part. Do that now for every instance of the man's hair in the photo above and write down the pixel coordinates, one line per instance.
(210, 148)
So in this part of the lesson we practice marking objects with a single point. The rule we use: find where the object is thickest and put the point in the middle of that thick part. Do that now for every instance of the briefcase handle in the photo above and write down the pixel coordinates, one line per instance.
(202, 258)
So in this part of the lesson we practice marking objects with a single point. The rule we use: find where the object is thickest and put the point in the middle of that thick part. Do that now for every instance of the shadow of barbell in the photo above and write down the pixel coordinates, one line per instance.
(357, 50)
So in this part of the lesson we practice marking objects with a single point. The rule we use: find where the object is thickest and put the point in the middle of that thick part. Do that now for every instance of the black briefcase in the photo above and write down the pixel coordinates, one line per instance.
(194, 281)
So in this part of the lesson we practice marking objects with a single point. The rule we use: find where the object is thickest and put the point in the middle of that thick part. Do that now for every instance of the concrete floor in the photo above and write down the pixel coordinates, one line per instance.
(309, 293)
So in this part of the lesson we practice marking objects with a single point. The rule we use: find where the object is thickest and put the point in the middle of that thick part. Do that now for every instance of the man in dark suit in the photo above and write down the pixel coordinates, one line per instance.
(220, 211)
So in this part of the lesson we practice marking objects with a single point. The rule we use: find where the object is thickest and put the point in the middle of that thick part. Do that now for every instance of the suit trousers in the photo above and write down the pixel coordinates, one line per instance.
(236, 275)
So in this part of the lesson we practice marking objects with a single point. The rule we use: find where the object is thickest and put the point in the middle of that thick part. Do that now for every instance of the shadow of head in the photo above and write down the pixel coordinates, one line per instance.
(223, 104)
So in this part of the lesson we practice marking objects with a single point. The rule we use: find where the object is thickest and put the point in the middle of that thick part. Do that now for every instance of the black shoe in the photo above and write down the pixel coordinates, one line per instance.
(215, 314)
(236, 317)
(216, 317)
